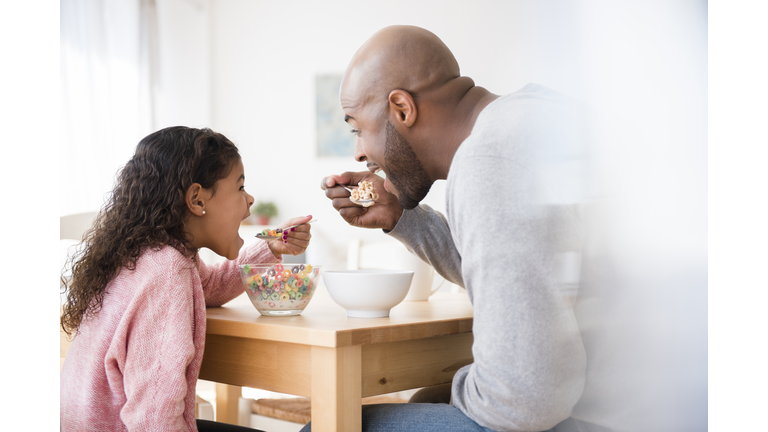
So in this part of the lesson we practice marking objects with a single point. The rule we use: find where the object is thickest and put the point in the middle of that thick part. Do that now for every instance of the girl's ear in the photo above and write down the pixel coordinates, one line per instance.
(196, 199)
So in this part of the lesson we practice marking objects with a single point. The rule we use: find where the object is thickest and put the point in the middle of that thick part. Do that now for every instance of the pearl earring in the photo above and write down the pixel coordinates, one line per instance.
(203, 211)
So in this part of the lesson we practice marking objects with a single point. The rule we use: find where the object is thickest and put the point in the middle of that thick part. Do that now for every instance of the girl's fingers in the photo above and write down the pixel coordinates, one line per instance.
(296, 241)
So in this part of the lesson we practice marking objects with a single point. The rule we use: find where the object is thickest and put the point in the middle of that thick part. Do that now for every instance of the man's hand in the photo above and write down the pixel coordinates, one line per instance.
(384, 214)
(295, 240)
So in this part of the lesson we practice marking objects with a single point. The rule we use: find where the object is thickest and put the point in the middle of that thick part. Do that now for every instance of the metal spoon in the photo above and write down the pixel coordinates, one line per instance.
(280, 231)
(361, 202)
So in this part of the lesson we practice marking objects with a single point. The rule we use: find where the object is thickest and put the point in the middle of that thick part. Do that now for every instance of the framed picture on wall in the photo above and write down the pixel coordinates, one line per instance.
(333, 133)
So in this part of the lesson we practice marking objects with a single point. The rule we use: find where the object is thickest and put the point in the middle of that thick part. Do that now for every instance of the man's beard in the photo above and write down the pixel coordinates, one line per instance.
(406, 173)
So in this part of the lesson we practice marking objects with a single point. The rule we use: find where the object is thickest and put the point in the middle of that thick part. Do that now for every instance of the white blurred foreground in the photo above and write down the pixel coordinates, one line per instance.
(643, 298)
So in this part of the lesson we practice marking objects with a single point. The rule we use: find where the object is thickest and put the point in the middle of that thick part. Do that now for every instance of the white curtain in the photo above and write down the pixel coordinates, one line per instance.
(108, 67)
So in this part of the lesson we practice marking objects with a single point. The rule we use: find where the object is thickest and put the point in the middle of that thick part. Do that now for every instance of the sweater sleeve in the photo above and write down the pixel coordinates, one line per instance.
(156, 350)
(426, 233)
(221, 282)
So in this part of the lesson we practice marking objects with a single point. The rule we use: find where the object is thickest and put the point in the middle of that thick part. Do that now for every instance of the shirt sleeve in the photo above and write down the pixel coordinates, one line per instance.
(426, 233)
(221, 282)
(529, 361)
(158, 348)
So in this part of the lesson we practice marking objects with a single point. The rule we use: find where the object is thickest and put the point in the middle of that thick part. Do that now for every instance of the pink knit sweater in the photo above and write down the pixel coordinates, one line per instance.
(134, 366)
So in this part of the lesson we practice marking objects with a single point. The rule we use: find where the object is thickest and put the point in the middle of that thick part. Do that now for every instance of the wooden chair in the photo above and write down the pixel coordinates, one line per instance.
(290, 414)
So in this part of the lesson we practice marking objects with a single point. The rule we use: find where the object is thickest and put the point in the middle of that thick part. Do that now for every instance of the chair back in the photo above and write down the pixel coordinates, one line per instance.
(71, 230)
(73, 226)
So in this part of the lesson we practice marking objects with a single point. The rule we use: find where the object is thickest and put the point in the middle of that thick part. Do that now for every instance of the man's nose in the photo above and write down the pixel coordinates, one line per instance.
(359, 153)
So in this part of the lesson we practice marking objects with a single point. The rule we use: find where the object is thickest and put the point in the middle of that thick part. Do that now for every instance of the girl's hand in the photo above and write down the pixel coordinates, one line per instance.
(295, 240)
(385, 213)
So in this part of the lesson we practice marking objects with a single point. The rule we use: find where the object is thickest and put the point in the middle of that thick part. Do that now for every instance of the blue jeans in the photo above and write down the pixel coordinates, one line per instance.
(437, 417)
(414, 417)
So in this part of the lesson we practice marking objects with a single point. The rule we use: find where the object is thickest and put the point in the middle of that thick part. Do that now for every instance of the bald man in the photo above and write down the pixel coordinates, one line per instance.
(511, 227)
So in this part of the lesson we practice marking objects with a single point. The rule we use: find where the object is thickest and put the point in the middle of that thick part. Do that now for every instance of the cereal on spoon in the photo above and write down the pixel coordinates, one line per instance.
(365, 192)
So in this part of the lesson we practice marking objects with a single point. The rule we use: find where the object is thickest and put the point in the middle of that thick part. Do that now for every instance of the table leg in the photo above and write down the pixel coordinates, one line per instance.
(336, 389)
(227, 403)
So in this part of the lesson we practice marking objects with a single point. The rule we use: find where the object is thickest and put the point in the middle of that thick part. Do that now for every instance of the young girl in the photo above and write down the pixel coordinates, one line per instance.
(138, 293)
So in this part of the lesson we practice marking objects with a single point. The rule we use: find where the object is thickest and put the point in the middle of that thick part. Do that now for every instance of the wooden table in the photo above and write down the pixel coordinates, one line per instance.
(334, 359)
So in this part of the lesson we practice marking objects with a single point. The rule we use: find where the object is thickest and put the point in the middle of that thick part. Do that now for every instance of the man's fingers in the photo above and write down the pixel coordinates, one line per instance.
(334, 180)
(351, 213)
(336, 192)
(343, 202)
(327, 182)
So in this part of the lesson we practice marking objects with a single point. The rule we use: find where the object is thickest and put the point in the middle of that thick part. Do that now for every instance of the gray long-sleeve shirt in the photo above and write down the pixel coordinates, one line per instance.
(510, 232)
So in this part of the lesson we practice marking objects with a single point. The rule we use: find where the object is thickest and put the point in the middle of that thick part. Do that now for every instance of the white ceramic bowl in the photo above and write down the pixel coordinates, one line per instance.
(368, 293)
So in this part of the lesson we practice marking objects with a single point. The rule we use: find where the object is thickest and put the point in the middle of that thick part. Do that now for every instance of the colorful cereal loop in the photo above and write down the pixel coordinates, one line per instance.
(299, 283)
(271, 304)
(308, 268)
(285, 297)
(274, 296)
(279, 268)
(286, 274)
(279, 277)
(247, 269)
(299, 296)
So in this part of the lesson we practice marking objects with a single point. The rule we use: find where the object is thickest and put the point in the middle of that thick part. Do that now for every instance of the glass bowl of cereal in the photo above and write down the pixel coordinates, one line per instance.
(280, 289)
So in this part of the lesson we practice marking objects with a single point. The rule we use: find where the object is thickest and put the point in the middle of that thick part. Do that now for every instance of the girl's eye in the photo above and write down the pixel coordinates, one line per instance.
(355, 131)
(242, 188)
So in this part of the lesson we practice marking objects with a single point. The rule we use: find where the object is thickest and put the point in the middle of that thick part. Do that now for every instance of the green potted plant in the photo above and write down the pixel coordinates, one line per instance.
(264, 211)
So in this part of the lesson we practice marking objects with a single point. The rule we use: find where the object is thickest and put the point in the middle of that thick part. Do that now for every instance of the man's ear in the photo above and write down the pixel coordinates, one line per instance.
(195, 199)
(401, 102)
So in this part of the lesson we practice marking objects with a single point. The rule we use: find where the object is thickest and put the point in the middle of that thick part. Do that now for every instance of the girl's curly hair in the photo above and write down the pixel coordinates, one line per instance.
(147, 208)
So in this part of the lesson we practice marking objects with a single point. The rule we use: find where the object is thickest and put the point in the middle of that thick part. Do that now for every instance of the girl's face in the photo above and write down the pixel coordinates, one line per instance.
(224, 211)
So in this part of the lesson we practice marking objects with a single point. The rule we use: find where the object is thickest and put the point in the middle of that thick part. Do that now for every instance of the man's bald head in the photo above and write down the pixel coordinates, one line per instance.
(409, 108)
(398, 57)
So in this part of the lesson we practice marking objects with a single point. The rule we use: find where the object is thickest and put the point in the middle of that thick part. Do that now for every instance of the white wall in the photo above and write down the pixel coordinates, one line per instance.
(265, 55)
(183, 88)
